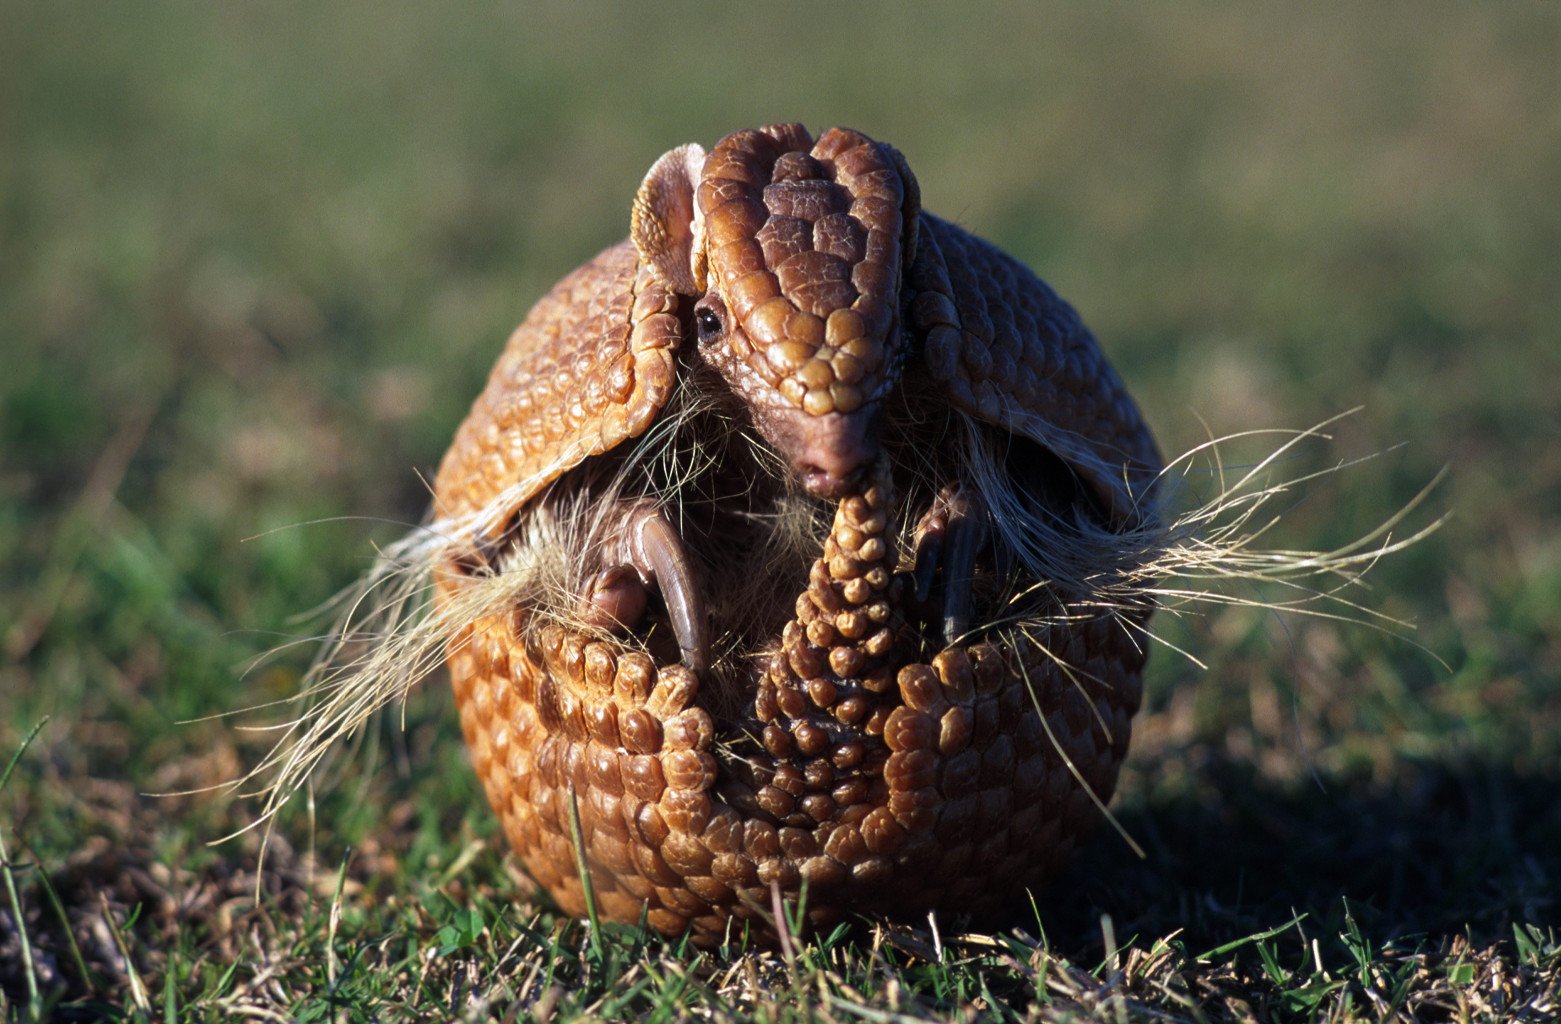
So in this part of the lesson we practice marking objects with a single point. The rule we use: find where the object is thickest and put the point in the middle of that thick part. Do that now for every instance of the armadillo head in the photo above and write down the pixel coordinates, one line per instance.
(793, 251)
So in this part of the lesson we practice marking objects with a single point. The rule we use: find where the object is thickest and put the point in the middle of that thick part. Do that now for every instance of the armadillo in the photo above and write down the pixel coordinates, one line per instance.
(810, 494)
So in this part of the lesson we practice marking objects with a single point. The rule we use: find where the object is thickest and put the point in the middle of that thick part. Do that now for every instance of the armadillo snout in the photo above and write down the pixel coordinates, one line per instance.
(830, 454)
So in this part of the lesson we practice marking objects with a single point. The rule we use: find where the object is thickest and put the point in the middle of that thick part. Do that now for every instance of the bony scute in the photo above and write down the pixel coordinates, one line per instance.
(812, 594)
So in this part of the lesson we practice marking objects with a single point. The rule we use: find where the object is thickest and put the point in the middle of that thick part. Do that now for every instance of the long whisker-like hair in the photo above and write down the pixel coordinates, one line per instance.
(426, 595)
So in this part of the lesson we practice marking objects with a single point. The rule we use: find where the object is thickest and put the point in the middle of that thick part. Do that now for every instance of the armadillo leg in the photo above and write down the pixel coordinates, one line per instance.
(649, 553)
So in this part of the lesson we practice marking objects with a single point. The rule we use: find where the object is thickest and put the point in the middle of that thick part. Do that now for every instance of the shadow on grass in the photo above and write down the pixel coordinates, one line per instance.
(1444, 848)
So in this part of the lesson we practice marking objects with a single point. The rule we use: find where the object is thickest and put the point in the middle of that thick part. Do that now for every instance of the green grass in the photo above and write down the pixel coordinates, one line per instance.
(255, 260)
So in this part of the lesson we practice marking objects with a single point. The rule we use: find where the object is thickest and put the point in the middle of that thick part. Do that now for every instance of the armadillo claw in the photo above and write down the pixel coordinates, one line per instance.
(656, 549)
(949, 537)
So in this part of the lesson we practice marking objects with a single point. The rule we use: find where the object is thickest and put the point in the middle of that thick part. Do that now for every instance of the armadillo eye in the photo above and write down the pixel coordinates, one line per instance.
(708, 321)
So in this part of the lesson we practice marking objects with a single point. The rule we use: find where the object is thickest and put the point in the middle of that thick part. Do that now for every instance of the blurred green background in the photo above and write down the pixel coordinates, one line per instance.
(256, 259)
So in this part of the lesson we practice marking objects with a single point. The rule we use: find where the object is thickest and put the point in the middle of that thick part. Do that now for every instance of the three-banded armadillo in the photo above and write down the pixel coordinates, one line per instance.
(808, 497)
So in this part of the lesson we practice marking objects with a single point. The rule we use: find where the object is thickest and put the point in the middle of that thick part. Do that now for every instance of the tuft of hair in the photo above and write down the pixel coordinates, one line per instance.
(429, 592)
(387, 634)
(390, 632)
(1196, 555)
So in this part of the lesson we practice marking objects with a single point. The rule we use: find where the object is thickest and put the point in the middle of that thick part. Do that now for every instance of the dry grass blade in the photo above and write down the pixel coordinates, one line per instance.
(29, 969)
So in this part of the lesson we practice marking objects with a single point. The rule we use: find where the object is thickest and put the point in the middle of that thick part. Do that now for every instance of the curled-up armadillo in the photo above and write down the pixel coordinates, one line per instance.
(814, 511)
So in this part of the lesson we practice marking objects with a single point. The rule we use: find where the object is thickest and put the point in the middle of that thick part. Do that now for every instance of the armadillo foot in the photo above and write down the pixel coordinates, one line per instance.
(650, 553)
(949, 537)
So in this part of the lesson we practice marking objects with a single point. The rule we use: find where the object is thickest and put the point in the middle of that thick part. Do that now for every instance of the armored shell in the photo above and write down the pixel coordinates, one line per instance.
(801, 475)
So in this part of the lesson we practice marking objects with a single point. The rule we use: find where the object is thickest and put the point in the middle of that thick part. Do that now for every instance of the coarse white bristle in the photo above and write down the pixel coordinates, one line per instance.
(390, 633)
(387, 634)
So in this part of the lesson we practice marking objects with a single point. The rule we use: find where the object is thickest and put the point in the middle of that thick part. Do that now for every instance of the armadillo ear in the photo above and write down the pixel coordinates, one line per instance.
(666, 225)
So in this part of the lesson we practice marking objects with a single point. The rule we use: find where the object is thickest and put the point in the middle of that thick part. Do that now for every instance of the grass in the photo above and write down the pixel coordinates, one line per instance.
(256, 260)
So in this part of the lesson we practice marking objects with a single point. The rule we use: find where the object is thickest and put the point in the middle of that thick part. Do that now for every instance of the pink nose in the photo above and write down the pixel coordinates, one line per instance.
(833, 466)
(830, 453)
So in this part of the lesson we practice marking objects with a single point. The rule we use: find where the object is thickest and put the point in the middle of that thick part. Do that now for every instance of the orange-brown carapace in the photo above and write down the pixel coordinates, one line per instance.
(802, 491)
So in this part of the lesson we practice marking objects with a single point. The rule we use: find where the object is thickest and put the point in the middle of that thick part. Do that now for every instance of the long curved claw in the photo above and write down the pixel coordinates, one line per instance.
(967, 533)
(930, 535)
(948, 538)
(656, 550)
